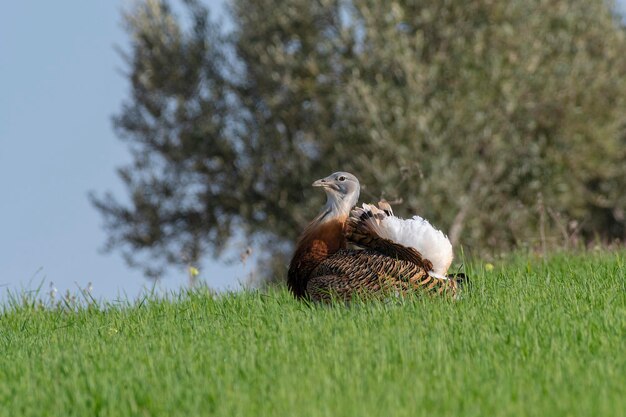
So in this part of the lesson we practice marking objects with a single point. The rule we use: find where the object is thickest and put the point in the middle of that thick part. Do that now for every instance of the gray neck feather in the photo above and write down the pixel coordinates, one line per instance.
(337, 206)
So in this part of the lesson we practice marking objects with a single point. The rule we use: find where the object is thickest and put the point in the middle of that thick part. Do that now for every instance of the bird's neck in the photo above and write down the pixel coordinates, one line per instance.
(335, 209)
(323, 237)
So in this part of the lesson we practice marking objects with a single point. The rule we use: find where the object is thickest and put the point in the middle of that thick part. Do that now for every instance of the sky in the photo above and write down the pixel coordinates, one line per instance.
(61, 82)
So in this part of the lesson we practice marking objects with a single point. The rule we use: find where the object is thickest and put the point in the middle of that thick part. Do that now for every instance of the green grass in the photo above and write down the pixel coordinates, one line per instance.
(532, 337)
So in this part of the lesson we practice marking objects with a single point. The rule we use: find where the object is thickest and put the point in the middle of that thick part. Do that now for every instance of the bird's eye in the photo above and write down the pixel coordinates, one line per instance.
(342, 178)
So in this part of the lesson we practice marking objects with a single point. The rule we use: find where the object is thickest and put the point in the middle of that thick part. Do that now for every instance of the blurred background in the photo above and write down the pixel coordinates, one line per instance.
(141, 141)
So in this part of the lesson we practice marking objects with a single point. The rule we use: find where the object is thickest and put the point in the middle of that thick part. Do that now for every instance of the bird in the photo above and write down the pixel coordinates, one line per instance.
(348, 251)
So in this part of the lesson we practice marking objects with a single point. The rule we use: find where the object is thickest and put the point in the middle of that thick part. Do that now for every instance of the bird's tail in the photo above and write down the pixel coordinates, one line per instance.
(416, 233)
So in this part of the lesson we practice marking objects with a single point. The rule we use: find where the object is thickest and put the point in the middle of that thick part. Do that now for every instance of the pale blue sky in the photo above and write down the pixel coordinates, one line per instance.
(60, 83)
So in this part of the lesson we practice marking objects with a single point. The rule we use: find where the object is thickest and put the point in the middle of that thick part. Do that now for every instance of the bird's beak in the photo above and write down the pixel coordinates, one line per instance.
(327, 183)
(321, 183)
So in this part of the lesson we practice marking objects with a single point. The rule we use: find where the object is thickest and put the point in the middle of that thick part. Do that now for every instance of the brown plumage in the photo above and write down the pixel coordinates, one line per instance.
(323, 267)
(317, 243)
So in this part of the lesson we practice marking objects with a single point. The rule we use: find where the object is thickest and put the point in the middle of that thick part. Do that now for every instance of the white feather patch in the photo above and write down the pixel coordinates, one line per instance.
(417, 233)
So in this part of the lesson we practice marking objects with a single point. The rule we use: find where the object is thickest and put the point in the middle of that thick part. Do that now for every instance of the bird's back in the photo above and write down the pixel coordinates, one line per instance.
(351, 272)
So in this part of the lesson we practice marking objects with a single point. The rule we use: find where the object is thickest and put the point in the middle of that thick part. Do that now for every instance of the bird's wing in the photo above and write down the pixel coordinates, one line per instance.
(362, 233)
(365, 272)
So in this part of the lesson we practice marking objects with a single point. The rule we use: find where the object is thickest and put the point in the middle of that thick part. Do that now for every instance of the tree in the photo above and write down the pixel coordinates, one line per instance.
(495, 120)
(510, 109)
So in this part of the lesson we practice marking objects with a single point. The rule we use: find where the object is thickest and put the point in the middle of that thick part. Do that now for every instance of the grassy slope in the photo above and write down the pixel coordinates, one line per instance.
(532, 338)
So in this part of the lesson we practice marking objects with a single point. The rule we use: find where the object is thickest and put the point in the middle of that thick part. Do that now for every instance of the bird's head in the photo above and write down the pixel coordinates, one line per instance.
(342, 192)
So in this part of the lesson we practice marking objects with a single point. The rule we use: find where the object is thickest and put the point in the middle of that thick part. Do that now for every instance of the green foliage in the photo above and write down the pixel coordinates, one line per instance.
(504, 108)
(502, 122)
(531, 337)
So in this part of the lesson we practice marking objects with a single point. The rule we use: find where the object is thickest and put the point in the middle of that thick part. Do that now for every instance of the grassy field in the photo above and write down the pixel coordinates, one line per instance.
(531, 337)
